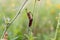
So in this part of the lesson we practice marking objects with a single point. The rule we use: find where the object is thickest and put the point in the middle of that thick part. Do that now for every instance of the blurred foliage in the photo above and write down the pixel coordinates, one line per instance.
(45, 16)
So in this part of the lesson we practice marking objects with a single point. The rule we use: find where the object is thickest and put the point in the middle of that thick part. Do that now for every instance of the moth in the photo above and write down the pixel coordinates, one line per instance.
(30, 18)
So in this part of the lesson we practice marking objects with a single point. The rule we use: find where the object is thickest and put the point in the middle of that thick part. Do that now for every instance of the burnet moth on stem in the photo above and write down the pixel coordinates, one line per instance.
(30, 18)
(29, 15)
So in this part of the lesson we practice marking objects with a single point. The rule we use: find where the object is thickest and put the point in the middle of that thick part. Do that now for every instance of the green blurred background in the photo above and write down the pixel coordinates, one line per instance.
(45, 19)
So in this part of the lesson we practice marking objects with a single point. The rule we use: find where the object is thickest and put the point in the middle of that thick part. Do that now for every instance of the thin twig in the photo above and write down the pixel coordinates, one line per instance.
(34, 6)
(57, 28)
(7, 26)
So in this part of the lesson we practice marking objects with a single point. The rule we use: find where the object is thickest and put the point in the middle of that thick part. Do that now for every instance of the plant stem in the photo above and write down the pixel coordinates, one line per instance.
(57, 28)
(34, 6)
(7, 26)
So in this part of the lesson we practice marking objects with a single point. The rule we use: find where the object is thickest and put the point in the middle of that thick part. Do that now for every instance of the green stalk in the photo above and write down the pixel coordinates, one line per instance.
(57, 28)
(7, 26)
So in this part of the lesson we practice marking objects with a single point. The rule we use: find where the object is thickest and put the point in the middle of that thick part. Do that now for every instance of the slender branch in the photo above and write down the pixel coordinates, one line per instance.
(7, 26)
(56, 31)
(57, 28)
(34, 6)
(19, 11)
